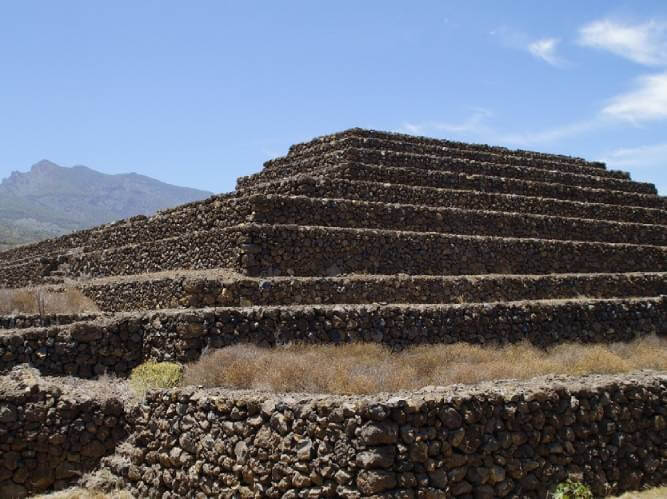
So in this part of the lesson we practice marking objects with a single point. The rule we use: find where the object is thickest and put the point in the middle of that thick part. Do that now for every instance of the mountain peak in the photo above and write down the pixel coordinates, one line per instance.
(50, 199)
(44, 165)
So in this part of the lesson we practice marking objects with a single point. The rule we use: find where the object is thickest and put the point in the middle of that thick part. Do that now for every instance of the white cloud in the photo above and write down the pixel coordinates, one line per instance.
(545, 49)
(647, 156)
(642, 43)
(474, 124)
(648, 101)
(643, 162)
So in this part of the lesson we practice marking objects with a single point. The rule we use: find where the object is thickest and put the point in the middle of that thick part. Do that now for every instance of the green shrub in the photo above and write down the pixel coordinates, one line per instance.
(570, 489)
(152, 375)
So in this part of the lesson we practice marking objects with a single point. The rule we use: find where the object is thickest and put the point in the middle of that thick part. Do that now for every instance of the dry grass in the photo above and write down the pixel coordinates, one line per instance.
(364, 368)
(658, 493)
(41, 301)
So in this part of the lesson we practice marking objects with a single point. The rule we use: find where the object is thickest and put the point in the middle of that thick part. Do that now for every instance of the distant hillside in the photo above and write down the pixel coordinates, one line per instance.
(51, 200)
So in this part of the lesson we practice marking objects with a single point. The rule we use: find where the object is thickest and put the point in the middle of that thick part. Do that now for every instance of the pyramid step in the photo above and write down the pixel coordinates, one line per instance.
(380, 144)
(324, 187)
(418, 141)
(216, 212)
(211, 249)
(258, 249)
(482, 183)
(219, 288)
(543, 323)
(125, 340)
(302, 210)
(312, 251)
(289, 166)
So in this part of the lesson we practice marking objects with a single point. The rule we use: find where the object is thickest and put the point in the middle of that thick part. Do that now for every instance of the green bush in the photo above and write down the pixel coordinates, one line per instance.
(152, 375)
(570, 489)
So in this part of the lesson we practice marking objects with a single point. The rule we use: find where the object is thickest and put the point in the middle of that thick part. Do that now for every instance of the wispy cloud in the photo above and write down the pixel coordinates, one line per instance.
(545, 49)
(647, 156)
(647, 102)
(474, 124)
(642, 161)
(644, 43)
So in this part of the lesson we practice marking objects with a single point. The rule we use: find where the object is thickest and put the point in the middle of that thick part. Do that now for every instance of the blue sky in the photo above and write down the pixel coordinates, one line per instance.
(198, 93)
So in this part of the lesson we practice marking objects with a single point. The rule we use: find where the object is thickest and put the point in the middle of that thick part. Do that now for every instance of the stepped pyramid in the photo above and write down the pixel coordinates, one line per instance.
(367, 235)
(356, 236)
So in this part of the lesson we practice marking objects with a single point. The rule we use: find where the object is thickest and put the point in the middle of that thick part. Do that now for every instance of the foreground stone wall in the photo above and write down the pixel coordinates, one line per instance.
(83, 349)
(89, 349)
(52, 432)
(498, 439)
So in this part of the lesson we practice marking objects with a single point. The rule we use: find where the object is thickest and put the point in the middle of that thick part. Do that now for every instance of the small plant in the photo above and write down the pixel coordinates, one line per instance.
(570, 489)
(152, 375)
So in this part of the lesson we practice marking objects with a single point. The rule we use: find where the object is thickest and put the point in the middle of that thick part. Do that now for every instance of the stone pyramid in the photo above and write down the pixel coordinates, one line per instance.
(367, 235)
(357, 236)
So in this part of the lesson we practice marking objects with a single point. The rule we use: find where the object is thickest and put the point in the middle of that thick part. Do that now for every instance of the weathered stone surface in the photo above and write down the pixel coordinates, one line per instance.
(374, 482)
(400, 445)
(53, 432)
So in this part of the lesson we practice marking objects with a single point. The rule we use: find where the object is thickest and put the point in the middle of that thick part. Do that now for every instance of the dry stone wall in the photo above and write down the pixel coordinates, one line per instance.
(422, 161)
(260, 249)
(447, 180)
(116, 345)
(297, 250)
(20, 321)
(338, 188)
(198, 250)
(217, 212)
(82, 349)
(504, 439)
(276, 209)
(162, 292)
(497, 439)
(51, 432)
(307, 147)
(401, 146)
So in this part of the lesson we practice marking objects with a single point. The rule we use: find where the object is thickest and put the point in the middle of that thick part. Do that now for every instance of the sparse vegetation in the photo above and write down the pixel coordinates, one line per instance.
(44, 301)
(571, 489)
(657, 493)
(151, 375)
(364, 368)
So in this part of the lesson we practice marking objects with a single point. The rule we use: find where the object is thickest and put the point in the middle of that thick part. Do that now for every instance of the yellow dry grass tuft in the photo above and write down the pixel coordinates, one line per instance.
(151, 375)
(364, 368)
(44, 301)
